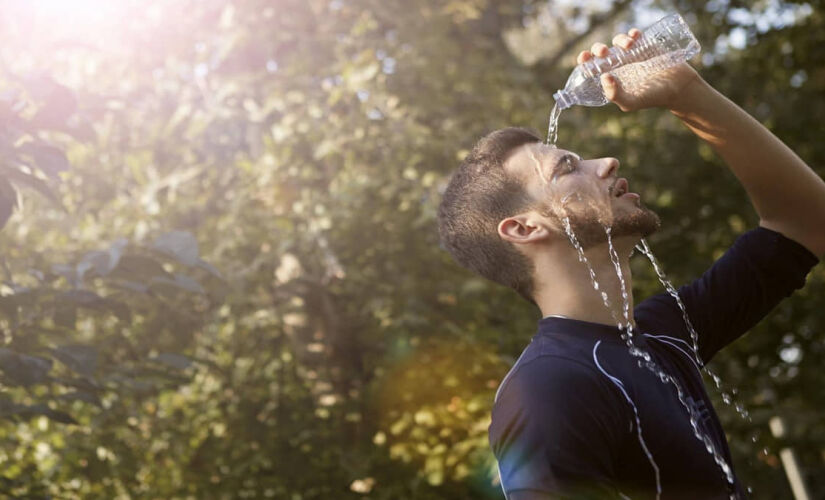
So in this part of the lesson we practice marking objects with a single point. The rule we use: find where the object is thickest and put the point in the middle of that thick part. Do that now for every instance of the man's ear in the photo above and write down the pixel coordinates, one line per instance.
(523, 228)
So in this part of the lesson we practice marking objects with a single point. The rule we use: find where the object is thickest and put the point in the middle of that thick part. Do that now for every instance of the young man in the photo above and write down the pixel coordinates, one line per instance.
(578, 416)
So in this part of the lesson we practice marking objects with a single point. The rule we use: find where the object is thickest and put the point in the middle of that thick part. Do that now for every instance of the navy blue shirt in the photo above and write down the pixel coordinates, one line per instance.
(564, 425)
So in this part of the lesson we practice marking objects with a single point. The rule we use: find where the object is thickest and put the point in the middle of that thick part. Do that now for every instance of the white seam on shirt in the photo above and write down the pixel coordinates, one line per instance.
(660, 339)
(611, 377)
(620, 385)
(669, 337)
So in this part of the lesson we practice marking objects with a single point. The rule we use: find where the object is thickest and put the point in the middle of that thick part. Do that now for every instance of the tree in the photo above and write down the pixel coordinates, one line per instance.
(245, 296)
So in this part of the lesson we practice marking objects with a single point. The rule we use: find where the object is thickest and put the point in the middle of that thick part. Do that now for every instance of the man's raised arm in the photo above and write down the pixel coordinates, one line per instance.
(788, 196)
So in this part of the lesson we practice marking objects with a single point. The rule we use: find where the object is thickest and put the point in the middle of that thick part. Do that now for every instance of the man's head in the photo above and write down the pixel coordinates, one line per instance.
(510, 195)
(587, 192)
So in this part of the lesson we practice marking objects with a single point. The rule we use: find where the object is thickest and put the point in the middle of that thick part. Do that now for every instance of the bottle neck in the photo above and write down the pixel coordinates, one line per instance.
(564, 99)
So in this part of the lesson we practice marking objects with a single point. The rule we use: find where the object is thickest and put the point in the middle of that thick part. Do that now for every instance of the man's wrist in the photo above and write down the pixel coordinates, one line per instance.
(690, 96)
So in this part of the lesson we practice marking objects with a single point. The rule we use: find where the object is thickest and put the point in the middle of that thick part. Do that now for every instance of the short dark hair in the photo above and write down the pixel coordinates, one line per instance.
(479, 195)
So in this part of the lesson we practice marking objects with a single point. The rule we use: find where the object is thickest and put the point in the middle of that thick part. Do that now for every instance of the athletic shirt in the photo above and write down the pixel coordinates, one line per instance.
(563, 422)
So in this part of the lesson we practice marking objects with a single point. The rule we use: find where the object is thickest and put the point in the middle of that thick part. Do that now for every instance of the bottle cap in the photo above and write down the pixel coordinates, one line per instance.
(562, 99)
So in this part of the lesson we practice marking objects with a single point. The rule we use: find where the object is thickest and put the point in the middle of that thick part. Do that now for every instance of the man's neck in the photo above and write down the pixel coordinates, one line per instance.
(564, 286)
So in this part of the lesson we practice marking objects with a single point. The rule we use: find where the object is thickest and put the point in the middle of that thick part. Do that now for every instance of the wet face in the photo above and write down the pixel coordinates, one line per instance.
(586, 191)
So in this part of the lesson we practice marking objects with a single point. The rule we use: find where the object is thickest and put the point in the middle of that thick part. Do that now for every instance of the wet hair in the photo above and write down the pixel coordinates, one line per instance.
(481, 194)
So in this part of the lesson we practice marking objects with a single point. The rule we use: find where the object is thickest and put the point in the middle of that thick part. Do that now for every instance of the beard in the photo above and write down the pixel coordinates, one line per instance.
(589, 227)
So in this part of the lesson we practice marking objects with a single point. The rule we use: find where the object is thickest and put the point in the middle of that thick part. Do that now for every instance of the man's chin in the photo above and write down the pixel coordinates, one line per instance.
(640, 223)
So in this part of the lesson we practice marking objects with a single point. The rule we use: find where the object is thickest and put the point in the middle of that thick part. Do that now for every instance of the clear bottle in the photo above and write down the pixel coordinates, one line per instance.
(665, 44)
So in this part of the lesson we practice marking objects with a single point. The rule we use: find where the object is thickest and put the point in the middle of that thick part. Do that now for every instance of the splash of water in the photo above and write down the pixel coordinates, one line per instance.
(662, 375)
(694, 337)
(583, 259)
(645, 358)
(537, 166)
(614, 257)
(727, 398)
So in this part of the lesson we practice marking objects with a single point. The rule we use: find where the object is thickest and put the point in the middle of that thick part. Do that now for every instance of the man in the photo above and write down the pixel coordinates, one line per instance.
(578, 415)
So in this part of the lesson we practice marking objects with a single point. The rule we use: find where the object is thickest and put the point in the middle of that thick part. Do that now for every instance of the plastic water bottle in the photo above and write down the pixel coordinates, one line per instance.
(661, 46)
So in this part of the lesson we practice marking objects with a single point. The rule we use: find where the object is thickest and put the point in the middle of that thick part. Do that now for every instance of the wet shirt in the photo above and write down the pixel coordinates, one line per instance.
(567, 416)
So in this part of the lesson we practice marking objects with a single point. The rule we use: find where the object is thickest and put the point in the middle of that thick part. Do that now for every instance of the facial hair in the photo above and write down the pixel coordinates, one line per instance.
(589, 227)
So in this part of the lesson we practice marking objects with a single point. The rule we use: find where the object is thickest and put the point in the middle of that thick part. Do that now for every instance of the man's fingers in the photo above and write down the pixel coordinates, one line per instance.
(623, 41)
(599, 49)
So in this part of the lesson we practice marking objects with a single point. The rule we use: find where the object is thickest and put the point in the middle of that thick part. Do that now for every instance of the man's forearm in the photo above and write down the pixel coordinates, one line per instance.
(788, 196)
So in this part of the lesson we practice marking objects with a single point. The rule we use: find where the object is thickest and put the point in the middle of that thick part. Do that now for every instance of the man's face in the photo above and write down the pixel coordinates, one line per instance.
(586, 191)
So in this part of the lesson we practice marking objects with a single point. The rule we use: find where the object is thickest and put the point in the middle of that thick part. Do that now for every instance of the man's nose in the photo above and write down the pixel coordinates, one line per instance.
(608, 167)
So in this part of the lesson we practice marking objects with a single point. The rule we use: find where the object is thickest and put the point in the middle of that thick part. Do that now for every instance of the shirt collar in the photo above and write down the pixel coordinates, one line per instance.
(555, 325)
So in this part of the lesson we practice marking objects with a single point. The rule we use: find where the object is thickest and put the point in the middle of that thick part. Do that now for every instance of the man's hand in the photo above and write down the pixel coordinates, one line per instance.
(786, 193)
(660, 90)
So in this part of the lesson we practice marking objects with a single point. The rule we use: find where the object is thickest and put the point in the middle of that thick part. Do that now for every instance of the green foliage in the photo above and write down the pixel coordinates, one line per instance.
(224, 281)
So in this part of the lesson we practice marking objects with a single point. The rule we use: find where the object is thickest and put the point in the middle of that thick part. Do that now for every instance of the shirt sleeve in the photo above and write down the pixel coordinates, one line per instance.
(557, 430)
(760, 269)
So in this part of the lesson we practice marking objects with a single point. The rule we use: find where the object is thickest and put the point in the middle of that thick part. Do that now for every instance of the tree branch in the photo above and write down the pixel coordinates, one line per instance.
(596, 21)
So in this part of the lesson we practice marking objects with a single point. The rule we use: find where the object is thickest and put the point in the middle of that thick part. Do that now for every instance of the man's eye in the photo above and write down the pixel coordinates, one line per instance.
(567, 166)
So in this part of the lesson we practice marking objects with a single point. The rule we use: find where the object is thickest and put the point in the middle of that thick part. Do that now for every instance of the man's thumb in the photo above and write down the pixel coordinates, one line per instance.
(612, 87)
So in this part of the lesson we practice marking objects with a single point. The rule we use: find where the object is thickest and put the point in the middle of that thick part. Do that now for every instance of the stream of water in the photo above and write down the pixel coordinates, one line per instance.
(553, 126)
(663, 376)
(727, 397)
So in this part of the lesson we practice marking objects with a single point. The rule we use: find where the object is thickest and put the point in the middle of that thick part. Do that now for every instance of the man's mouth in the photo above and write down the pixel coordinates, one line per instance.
(619, 187)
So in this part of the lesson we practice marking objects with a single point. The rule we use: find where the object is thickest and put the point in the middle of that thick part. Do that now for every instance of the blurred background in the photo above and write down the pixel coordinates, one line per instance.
(220, 272)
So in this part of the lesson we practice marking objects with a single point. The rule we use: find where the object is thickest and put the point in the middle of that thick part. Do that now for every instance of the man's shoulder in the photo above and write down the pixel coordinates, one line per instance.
(547, 394)
(543, 373)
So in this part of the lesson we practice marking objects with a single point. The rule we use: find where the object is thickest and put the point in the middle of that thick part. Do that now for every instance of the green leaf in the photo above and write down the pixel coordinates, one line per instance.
(138, 268)
(177, 361)
(8, 201)
(22, 369)
(91, 300)
(133, 286)
(102, 261)
(79, 358)
(22, 179)
(179, 281)
(29, 411)
(210, 269)
(180, 244)
(47, 158)
(85, 396)
(97, 260)
(59, 106)
(80, 128)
